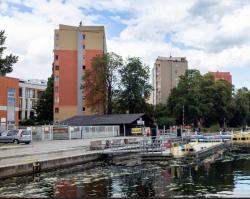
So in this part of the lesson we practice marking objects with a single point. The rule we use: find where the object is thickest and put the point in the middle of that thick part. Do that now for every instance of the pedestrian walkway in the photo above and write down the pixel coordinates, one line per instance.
(44, 150)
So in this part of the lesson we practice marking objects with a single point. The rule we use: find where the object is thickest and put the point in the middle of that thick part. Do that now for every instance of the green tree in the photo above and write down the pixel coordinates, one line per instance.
(201, 100)
(222, 97)
(241, 108)
(186, 98)
(134, 87)
(162, 116)
(114, 63)
(206, 102)
(44, 107)
(6, 62)
(100, 81)
(27, 122)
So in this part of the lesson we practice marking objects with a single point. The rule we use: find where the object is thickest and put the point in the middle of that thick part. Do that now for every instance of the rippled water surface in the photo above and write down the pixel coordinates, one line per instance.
(227, 179)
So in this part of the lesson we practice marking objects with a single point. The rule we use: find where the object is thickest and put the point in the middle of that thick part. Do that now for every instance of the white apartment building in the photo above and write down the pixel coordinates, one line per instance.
(29, 93)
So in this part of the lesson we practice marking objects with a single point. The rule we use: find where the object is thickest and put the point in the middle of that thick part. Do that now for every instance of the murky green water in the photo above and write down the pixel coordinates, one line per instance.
(227, 179)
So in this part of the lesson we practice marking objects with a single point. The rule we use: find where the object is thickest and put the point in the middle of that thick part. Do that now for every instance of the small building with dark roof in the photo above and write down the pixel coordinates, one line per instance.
(125, 121)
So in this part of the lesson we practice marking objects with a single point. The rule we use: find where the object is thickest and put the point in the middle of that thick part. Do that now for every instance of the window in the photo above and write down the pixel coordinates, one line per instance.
(56, 78)
(11, 133)
(11, 102)
(30, 104)
(56, 36)
(57, 67)
(56, 99)
(32, 114)
(19, 115)
(56, 89)
(83, 57)
(20, 103)
(83, 67)
(56, 110)
(56, 57)
(25, 132)
(83, 36)
(29, 93)
(20, 92)
(34, 104)
(83, 46)
(83, 108)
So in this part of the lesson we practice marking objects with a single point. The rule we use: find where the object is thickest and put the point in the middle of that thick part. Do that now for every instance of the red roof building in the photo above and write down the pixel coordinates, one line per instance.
(222, 75)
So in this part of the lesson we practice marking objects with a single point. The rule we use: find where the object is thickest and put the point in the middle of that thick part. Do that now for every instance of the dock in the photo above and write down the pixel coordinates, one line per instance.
(37, 158)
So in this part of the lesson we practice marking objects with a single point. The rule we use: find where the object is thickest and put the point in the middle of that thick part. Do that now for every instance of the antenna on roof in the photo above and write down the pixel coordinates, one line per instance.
(170, 56)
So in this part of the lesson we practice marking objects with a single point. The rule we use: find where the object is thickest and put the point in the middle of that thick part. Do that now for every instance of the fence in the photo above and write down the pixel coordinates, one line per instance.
(69, 132)
(94, 132)
(40, 132)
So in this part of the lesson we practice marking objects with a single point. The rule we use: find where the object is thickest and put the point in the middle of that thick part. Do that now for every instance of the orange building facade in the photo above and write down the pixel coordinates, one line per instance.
(74, 48)
(222, 75)
(9, 101)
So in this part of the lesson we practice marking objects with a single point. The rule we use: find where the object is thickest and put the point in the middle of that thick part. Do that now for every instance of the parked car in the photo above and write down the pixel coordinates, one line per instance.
(16, 136)
(1, 132)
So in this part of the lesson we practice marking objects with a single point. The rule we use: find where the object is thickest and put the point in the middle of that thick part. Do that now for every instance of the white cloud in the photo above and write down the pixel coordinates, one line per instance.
(30, 34)
(212, 34)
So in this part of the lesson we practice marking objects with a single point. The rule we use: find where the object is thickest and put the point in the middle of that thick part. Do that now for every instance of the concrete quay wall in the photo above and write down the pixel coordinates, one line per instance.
(45, 165)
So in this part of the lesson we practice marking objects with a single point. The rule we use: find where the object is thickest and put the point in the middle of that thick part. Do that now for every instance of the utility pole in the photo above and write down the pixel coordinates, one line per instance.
(183, 116)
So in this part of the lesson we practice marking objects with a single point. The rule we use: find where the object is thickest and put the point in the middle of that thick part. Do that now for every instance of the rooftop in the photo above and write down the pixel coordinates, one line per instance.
(221, 73)
(114, 119)
(39, 82)
(81, 27)
(159, 58)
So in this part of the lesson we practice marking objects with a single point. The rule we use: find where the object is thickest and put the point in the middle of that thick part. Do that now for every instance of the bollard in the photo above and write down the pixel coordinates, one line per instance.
(50, 132)
(69, 132)
(36, 167)
(107, 144)
(42, 133)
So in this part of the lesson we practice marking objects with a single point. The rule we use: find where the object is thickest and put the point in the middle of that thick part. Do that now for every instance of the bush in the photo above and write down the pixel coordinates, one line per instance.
(27, 122)
(212, 129)
(167, 121)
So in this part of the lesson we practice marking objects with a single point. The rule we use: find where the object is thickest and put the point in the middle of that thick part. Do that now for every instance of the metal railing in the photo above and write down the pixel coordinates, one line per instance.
(151, 145)
(49, 132)
(116, 145)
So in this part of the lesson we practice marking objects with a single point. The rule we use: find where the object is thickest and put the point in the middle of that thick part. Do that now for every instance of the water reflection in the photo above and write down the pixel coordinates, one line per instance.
(146, 180)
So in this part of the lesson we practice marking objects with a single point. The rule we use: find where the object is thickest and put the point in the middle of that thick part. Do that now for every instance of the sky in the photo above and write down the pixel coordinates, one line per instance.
(212, 34)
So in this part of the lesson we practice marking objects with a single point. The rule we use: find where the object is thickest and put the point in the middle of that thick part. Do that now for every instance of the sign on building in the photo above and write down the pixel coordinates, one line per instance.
(140, 122)
(136, 131)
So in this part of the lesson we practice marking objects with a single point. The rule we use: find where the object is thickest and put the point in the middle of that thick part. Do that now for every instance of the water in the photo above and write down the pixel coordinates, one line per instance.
(221, 179)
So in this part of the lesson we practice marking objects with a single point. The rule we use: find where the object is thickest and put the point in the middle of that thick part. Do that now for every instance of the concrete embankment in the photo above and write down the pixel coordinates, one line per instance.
(44, 156)
(45, 165)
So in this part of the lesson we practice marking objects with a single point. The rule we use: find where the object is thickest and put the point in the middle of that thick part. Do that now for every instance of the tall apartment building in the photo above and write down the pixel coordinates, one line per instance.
(222, 75)
(29, 93)
(74, 48)
(165, 76)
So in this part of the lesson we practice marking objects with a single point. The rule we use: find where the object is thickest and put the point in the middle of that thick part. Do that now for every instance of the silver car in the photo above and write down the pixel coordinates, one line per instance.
(16, 136)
